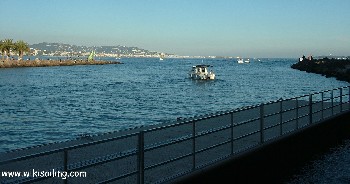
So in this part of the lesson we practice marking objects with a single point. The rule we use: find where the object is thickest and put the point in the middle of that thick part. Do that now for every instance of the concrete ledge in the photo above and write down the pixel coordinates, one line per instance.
(276, 161)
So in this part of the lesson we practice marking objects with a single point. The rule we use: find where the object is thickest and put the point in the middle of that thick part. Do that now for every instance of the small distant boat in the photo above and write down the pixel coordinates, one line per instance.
(161, 56)
(200, 72)
(241, 60)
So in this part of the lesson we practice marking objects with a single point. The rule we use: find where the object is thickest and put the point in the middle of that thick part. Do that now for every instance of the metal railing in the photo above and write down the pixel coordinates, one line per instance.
(166, 152)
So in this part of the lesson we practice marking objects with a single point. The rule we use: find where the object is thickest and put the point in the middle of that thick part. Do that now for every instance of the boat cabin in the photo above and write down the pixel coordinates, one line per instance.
(201, 72)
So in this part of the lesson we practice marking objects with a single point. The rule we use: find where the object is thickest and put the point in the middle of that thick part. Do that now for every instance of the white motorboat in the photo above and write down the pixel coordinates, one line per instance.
(241, 60)
(200, 72)
(161, 56)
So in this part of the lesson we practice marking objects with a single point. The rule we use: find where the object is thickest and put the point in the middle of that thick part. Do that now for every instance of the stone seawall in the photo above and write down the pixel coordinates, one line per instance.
(338, 68)
(46, 63)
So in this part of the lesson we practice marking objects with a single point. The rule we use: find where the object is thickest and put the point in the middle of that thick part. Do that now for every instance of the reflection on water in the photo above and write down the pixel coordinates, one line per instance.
(331, 167)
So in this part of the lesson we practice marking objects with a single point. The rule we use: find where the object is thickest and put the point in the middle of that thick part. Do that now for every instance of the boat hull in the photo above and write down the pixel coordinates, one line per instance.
(202, 77)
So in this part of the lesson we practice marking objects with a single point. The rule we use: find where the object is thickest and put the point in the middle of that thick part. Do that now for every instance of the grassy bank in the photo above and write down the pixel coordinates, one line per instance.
(46, 63)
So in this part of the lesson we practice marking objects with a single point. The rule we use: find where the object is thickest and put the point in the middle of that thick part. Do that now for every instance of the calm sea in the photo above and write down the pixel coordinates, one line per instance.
(49, 104)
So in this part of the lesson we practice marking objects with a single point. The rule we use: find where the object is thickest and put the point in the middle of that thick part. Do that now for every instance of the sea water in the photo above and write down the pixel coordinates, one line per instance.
(48, 104)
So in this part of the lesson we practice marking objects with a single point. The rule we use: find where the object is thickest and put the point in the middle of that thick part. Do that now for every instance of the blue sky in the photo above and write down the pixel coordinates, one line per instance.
(246, 28)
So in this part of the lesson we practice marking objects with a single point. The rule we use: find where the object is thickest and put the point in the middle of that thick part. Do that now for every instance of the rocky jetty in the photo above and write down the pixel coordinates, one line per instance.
(338, 68)
(46, 63)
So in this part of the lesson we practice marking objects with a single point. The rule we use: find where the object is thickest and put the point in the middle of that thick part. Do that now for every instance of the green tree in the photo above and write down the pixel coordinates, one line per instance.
(8, 46)
(21, 47)
(2, 50)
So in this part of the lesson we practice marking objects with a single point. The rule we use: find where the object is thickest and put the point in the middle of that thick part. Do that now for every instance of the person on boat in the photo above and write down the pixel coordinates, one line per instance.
(310, 58)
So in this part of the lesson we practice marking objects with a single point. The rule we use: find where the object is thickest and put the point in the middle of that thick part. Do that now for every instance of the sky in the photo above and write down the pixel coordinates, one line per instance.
(244, 28)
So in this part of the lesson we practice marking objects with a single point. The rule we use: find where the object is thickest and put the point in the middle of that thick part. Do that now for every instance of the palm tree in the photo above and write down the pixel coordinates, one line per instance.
(2, 50)
(21, 47)
(8, 46)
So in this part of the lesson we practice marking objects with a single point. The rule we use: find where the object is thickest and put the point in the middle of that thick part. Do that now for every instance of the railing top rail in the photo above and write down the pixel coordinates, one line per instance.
(192, 119)
(274, 101)
(183, 122)
(329, 90)
(246, 108)
(298, 97)
(43, 153)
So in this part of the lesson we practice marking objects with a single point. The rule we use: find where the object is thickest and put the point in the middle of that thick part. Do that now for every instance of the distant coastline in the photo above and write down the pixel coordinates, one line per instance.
(49, 62)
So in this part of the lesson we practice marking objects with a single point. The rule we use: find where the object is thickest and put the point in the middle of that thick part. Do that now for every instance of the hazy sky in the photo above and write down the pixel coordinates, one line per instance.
(247, 28)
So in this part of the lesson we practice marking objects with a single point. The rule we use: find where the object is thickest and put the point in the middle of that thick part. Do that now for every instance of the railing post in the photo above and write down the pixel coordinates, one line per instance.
(193, 145)
(281, 118)
(341, 99)
(65, 164)
(332, 102)
(141, 158)
(261, 123)
(349, 97)
(322, 99)
(310, 109)
(231, 133)
(297, 113)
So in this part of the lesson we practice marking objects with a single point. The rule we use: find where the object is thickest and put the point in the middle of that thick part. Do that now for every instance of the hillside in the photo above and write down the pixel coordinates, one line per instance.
(61, 49)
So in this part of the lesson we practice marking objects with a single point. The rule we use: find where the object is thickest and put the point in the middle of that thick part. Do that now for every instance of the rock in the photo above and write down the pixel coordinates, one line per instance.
(339, 68)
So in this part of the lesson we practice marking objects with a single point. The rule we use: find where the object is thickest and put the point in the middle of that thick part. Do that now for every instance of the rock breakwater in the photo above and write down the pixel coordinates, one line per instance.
(338, 68)
(46, 63)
